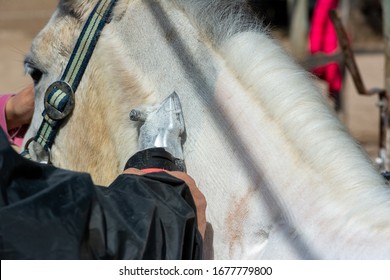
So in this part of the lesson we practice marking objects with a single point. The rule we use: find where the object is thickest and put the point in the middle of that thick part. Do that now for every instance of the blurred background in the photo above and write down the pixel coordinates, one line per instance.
(293, 22)
(21, 20)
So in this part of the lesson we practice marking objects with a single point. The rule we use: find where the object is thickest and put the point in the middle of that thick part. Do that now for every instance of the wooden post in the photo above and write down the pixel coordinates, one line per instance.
(386, 37)
(299, 26)
(386, 34)
(350, 63)
(345, 7)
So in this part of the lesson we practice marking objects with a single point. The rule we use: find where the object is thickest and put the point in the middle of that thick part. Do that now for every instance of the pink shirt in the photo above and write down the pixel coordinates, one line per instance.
(15, 136)
(323, 38)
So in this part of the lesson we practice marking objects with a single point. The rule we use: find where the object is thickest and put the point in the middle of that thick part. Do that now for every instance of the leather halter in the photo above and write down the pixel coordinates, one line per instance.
(59, 97)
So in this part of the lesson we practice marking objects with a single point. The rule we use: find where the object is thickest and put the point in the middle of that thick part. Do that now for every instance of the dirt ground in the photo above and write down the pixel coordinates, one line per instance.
(21, 20)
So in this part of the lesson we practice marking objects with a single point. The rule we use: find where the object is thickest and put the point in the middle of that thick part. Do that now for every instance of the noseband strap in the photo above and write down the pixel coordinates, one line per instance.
(59, 97)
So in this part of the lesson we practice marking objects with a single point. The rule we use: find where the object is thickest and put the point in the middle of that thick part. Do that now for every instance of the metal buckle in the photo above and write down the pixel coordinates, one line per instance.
(42, 156)
(53, 112)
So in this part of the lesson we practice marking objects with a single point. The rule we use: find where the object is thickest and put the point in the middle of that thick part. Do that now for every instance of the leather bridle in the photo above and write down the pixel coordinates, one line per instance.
(59, 97)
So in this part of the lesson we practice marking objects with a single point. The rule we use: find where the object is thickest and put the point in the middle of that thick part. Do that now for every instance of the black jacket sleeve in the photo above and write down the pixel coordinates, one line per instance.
(51, 213)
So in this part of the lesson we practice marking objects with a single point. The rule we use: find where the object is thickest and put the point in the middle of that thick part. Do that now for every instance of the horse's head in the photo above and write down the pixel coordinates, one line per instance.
(99, 127)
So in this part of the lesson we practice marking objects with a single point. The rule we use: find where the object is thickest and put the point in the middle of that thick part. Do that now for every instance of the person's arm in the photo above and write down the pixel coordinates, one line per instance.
(52, 213)
(199, 199)
(20, 108)
(16, 111)
(3, 102)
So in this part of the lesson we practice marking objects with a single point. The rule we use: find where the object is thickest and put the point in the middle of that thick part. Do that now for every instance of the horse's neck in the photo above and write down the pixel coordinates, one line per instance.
(259, 131)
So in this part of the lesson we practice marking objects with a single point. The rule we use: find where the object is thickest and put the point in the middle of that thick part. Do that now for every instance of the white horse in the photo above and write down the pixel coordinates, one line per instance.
(282, 177)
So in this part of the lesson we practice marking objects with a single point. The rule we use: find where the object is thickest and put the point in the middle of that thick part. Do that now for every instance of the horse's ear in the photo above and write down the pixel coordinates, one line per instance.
(78, 8)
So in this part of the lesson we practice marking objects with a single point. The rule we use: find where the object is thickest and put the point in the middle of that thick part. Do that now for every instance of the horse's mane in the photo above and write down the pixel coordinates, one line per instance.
(220, 19)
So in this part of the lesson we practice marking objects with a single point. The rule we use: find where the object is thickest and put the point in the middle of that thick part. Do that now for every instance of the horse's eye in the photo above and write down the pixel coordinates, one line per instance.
(35, 74)
(32, 70)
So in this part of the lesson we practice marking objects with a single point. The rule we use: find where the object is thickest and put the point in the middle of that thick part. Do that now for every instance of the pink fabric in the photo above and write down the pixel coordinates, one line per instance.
(15, 136)
(323, 38)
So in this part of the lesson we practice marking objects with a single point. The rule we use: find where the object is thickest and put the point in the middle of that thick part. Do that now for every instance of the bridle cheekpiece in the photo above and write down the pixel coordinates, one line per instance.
(59, 98)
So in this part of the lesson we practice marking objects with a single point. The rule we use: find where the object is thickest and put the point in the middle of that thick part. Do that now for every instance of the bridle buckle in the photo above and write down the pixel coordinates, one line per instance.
(56, 95)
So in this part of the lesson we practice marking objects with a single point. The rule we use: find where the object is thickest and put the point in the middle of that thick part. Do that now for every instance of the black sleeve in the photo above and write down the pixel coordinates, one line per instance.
(51, 213)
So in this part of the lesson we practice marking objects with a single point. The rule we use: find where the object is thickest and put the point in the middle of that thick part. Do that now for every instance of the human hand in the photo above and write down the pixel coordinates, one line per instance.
(199, 199)
(20, 108)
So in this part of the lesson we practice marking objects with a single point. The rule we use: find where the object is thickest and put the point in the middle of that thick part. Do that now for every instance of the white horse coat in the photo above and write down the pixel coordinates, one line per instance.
(282, 177)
